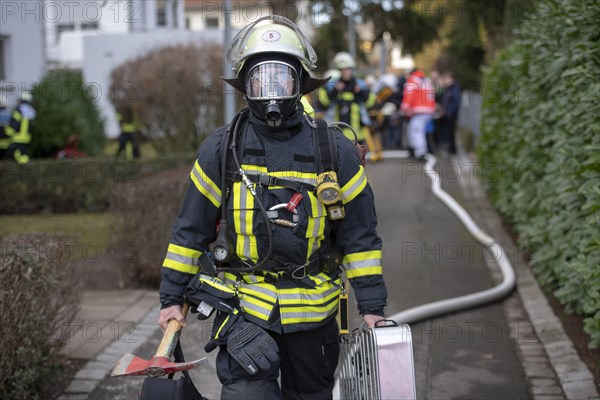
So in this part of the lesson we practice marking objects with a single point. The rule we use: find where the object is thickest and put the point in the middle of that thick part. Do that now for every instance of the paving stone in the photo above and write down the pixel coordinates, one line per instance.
(73, 397)
(95, 312)
(576, 376)
(554, 389)
(91, 374)
(134, 314)
(107, 358)
(108, 297)
(568, 364)
(559, 349)
(539, 372)
(81, 386)
(580, 390)
(543, 382)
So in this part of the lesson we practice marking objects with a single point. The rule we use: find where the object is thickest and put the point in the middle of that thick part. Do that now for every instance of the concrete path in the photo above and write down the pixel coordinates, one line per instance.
(515, 349)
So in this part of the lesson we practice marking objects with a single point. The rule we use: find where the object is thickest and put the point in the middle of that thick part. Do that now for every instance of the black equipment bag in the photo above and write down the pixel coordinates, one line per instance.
(168, 388)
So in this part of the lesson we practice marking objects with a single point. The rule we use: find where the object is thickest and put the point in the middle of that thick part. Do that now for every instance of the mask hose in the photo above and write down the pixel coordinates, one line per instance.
(250, 186)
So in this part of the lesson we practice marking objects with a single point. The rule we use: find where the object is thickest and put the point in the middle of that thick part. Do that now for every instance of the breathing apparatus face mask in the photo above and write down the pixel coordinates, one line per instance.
(273, 90)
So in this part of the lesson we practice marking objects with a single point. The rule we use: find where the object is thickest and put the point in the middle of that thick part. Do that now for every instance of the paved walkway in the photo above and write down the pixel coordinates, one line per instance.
(109, 324)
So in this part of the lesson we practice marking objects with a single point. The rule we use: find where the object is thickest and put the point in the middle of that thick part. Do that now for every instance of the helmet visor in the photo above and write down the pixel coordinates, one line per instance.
(272, 81)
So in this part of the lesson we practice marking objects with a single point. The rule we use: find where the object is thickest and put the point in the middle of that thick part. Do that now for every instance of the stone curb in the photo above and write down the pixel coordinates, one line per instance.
(94, 372)
(551, 342)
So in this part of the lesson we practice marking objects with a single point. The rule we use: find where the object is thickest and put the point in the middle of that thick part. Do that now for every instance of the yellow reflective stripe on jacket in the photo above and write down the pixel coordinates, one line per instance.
(346, 96)
(257, 299)
(296, 305)
(308, 108)
(205, 185)
(313, 297)
(371, 100)
(354, 186)
(303, 314)
(300, 305)
(22, 135)
(243, 213)
(182, 259)
(360, 264)
(128, 127)
(323, 97)
(216, 283)
(316, 225)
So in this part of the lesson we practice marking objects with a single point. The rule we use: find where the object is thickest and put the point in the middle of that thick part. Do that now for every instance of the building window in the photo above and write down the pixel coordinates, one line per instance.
(60, 28)
(161, 13)
(89, 26)
(212, 22)
(175, 15)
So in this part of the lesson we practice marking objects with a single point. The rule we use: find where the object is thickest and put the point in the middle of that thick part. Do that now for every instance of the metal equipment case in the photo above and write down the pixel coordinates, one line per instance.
(377, 363)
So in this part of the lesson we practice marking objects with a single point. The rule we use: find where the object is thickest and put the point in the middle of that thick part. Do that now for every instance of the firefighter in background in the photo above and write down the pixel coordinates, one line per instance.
(321, 111)
(4, 138)
(130, 133)
(279, 242)
(17, 134)
(418, 105)
(350, 98)
(381, 112)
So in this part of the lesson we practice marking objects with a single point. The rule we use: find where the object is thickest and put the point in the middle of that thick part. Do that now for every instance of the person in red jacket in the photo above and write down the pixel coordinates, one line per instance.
(71, 149)
(418, 105)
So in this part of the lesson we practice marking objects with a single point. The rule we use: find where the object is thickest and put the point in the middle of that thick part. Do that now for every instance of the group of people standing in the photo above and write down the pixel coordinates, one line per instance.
(416, 111)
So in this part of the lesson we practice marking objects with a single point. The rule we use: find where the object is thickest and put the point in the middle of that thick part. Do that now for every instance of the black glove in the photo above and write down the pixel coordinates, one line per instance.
(250, 345)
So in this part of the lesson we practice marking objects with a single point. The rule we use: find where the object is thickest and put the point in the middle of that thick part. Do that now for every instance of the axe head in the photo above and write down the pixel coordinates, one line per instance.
(131, 365)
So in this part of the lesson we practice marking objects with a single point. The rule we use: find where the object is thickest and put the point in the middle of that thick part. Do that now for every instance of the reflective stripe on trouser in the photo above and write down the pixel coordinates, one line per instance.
(19, 153)
(308, 362)
(416, 133)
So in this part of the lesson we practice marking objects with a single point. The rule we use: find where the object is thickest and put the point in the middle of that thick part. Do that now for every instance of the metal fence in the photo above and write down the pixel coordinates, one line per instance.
(469, 117)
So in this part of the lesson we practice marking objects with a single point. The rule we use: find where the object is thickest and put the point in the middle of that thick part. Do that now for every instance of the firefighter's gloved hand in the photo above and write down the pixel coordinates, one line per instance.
(252, 347)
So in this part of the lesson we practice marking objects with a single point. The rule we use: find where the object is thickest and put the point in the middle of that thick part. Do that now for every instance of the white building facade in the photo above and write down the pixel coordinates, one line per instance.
(22, 55)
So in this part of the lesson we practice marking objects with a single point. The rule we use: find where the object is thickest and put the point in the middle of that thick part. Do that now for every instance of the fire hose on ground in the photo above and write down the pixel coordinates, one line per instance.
(476, 299)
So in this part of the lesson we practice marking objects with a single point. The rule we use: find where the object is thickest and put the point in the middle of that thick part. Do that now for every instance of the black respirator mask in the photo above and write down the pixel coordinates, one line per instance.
(273, 91)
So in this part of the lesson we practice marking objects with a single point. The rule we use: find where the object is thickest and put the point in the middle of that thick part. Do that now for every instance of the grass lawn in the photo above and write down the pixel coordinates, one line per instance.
(89, 233)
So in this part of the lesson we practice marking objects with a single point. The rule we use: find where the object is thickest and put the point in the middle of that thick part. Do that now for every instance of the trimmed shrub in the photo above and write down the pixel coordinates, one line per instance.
(541, 137)
(64, 107)
(145, 212)
(175, 92)
(77, 185)
(38, 298)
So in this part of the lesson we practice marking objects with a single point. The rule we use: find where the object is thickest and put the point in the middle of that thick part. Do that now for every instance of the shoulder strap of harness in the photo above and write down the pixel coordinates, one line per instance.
(325, 147)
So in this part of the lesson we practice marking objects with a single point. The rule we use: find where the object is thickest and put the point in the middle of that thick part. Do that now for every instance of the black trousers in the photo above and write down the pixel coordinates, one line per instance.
(449, 134)
(307, 362)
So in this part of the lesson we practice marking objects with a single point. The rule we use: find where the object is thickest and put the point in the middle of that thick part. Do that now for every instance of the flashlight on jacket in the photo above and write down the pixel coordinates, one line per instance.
(328, 189)
(330, 194)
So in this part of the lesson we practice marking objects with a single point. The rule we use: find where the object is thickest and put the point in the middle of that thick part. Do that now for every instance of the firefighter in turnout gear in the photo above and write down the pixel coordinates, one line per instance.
(130, 133)
(350, 98)
(17, 134)
(277, 213)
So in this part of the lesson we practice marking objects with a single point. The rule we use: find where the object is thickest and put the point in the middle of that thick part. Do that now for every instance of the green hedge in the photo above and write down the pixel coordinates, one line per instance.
(39, 294)
(77, 185)
(540, 134)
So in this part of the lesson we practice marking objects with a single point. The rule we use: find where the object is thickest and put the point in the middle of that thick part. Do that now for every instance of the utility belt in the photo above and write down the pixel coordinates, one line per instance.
(326, 259)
